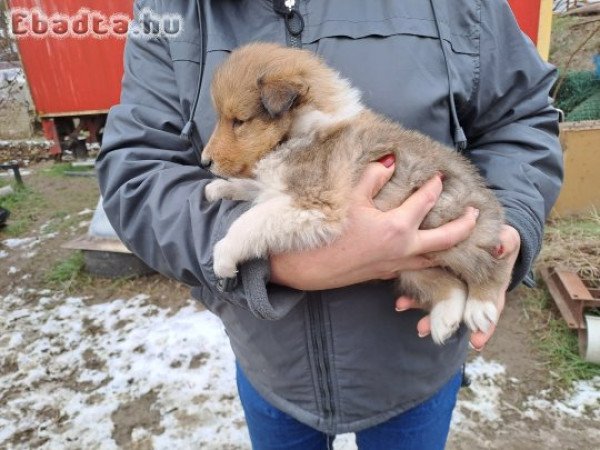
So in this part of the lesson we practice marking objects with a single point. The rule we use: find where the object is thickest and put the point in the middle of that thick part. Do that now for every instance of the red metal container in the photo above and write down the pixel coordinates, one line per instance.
(527, 13)
(72, 75)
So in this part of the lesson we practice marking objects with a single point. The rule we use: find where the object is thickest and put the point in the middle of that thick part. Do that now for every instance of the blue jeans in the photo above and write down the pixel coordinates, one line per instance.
(424, 427)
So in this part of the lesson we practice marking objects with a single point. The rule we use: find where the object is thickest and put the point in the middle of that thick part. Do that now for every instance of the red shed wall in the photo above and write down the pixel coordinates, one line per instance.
(527, 13)
(73, 75)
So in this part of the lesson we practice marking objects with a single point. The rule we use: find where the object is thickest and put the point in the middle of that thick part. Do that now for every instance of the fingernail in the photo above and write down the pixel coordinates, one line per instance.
(387, 160)
(401, 309)
(475, 348)
(422, 335)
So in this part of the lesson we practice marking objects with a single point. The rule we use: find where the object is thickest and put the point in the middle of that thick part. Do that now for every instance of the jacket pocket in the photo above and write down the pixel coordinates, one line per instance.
(461, 40)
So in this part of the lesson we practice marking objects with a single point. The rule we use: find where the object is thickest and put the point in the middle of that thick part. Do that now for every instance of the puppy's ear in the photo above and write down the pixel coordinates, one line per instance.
(280, 95)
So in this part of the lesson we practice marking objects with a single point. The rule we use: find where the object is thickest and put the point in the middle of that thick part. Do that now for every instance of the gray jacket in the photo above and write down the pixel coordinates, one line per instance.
(338, 360)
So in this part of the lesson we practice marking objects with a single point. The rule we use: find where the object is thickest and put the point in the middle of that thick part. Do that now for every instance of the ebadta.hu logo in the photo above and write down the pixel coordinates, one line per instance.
(34, 23)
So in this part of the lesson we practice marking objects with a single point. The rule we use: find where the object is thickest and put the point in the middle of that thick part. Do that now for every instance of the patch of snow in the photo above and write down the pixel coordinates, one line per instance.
(12, 270)
(20, 243)
(136, 347)
(3, 254)
(485, 401)
(11, 74)
(583, 399)
(85, 212)
(83, 224)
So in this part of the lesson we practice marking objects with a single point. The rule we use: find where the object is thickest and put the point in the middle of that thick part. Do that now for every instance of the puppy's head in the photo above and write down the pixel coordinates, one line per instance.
(256, 93)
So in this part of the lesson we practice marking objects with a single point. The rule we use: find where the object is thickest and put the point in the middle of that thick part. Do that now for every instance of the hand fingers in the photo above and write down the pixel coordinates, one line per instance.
(424, 327)
(479, 338)
(417, 206)
(447, 235)
(374, 178)
(405, 303)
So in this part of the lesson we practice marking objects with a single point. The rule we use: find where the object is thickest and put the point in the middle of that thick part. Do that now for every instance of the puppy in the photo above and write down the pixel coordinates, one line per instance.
(293, 138)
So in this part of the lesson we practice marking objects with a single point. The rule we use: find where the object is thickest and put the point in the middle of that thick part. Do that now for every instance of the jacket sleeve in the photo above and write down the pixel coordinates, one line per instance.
(153, 187)
(512, 129)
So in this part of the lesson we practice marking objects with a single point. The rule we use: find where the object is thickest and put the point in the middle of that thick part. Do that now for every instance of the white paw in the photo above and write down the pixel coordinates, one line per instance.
(446, 316)
(480, 315)
(216, 190)
(224, 263)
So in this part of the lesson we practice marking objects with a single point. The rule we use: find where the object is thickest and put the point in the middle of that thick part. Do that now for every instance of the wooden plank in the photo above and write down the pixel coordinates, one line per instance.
(87, 242)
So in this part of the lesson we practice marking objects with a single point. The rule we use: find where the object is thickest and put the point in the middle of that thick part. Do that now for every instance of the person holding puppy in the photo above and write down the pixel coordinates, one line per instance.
(322, 346)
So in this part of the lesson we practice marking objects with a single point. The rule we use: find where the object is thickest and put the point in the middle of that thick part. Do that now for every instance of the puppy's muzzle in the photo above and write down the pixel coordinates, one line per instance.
(205, 161)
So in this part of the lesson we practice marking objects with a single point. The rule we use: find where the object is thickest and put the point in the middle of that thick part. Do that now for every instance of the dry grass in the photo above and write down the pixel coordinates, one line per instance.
(569, 244)
(574, 244)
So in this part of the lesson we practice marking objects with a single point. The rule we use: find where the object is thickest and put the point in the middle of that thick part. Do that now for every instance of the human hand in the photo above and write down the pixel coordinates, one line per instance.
(510, 244)
(374, 244)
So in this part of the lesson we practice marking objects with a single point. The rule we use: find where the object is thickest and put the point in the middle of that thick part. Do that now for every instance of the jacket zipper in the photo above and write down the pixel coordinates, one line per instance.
(294, 22)
(294, 25)
(319, 345)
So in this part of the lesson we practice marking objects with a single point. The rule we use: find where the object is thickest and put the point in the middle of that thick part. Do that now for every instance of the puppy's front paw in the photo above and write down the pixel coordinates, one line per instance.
(224, 264)
(216, 190)
(480, 315)
(446, 316)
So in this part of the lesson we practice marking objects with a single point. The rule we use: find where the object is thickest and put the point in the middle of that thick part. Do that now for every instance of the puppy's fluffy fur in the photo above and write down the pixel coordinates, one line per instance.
(293, 137)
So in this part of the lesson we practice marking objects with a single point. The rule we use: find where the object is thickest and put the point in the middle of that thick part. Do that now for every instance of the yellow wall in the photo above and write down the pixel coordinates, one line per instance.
(581, 149)
(544, 28)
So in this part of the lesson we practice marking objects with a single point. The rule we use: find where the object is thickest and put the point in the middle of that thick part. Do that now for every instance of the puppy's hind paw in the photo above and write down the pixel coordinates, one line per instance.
(480, 315)
(446, 316)
(224, 264)
(216, 190)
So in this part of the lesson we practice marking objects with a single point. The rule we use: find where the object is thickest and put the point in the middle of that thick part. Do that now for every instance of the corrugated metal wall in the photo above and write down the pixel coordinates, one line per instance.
(72, 75)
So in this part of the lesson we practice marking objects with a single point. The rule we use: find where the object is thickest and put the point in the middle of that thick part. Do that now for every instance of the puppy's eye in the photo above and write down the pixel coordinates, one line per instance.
(236, 123)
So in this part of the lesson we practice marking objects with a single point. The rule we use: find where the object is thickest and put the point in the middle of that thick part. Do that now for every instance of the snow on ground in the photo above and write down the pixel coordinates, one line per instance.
(21, 243)
(127, 373)
(583, 400)
(27, 244)
(485, 401)
(67, 368)
(487, 393)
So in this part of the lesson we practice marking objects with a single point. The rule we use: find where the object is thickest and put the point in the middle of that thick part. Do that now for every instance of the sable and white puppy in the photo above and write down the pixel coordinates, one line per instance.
(293, 138)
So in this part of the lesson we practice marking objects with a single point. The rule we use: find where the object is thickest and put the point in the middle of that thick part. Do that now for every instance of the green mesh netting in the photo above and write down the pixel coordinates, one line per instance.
(579, 96)
(588, 109)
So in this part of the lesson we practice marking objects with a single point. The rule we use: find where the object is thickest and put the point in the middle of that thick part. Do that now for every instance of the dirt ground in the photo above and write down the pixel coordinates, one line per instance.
(64, 205)
(514, 401)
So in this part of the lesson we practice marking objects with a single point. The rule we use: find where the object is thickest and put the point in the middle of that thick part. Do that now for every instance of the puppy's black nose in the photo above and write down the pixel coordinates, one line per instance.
(205, 163)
